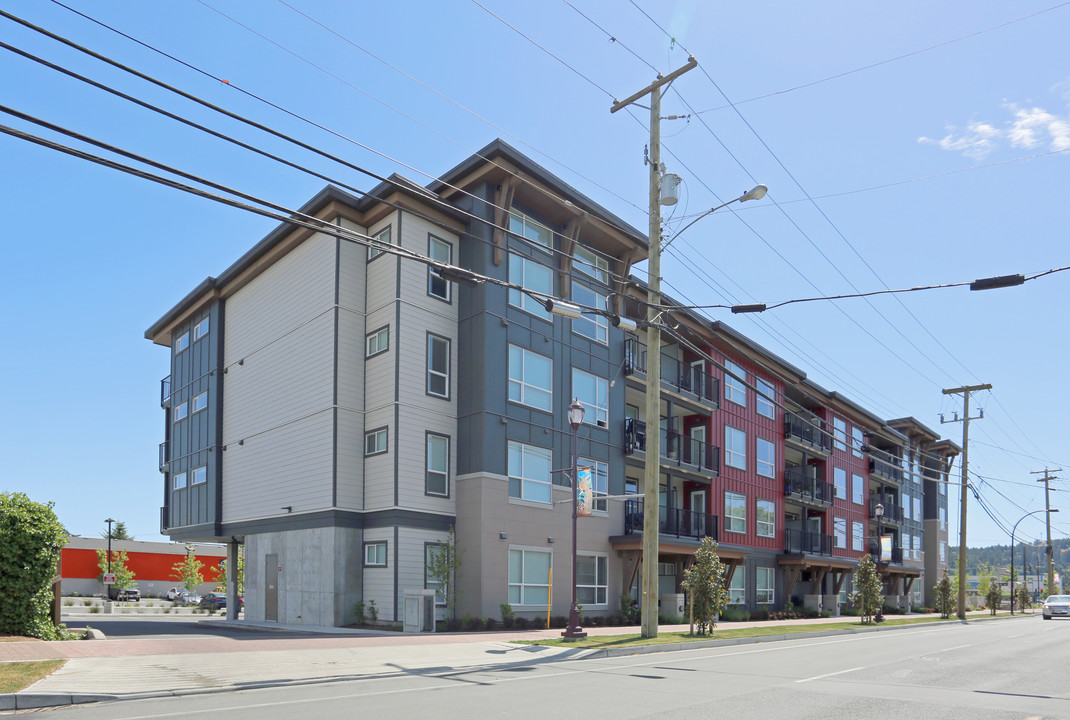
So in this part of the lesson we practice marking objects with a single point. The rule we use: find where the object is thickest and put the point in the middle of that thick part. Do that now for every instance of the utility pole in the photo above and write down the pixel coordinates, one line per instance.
(965, 392)
(652, 476)
(1047, 506)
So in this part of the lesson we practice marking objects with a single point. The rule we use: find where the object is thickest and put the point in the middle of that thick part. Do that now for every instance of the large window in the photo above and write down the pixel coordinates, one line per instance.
(735, 448)
(917, 547)
(858, 489)
(375, 554)
(593, 393)
(839, 532)
(438, 366)
(735, 390)
(381, 238)
(377, 342)
(839, 433)
(526, 227)
(763, 400)
(591, 264)
(438, 286)
(904, 499)
(530, 377)
(839, 481)
(735, 512)
(529, 577)
(437, 479)
(376, 441)
(533, 276)
(943, 518)
(599, 481)
(856, 441)
(765, 457)
(943, 551)
(917, 509)
(737, 586)
(764, 585)
(529, 472)
(592, 580)
(766, 518)
(595, 327)
(858, 535)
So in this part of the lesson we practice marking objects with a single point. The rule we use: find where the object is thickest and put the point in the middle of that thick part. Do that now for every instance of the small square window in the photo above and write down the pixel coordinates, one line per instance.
(181, 343)
(375, 441)
(200, 329)
(375, 554)
(381, 238)
(179, 481)
(377, 342)
(200, 402)
(199, 475)
(181, 411)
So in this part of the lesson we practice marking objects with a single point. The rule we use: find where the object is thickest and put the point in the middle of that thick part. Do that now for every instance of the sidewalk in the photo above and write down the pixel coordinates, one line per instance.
(129, 668)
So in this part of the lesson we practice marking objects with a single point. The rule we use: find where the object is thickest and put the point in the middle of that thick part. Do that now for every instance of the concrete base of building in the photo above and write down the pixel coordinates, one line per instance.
(831, 603)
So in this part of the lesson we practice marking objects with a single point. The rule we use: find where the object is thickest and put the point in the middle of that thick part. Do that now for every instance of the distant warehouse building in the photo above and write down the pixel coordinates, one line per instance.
(151, 562)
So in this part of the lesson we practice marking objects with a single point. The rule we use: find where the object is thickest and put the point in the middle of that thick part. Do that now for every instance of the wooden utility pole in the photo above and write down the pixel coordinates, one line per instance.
(652, 477)
(965, 392)
(1047, 507)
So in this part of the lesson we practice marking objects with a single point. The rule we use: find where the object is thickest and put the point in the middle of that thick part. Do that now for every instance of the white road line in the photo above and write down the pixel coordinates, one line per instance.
(818, 677)
(957, 647)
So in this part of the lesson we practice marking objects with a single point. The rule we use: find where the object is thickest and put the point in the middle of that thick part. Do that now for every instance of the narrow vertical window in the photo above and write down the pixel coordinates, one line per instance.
(438, 465)
(381, 238)
(438, 366)
(442, 251)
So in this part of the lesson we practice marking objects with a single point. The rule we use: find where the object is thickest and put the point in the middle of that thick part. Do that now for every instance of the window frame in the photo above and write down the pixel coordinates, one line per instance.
(524, 582)
(595, 266)
(432, 373)
(181, 411)
(374, 252)
(839, 433)
(432, 274)
(429, 471)
(193, 403)
(383, 332)
(858, 536)
(761, 402)
(839, 532)
(599, 323)
(737, 593)
(521, 276)
(377, 545)
(739, 501)
(198, 475)
(374, 434)
(840, 489)
(730, 450)
(522, 382)
(604, 588)
(182, 342)
(546, 454)
(525, 220)
(764, 591)
(593, 413)
(733, 386)
(759, 523)
(759, 462)
(175, 481)
(857, 441)
(858, 489)
(440, 597)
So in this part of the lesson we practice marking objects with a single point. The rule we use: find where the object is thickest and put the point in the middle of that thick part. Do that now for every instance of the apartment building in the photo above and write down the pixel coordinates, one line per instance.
(338, 407)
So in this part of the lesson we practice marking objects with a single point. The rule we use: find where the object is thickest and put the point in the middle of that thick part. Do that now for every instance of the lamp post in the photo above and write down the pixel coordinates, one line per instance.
(575, 419)
(878, 512)
(109, 521)
(1035, 512)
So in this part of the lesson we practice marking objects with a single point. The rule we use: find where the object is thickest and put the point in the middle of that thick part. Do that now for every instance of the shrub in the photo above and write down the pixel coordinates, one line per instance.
(373, 612)
(521, 623)
(629, 610)
(87, 602)
(358, 614)
(508, 615)
(453, 624)
(490, 624)
(735, 614)
(666, 619)
(30, 541)
(472, 624)
(559, 621)
(94, 609)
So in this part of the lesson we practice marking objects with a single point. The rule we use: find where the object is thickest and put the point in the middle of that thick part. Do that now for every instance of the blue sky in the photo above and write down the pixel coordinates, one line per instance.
(904, 144)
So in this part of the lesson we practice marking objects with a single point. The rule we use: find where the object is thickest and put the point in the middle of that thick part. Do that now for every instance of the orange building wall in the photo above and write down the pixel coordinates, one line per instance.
(82, 563)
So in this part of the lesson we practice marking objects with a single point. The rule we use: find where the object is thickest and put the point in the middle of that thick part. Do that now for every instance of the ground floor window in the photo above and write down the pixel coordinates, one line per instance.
(431, 583)
(592, 580)
(765, 586)
(737, 587)
(529, 577)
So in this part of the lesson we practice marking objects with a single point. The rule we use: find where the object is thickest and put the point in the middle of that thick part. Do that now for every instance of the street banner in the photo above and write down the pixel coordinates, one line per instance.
(584, 492)
(886, 548)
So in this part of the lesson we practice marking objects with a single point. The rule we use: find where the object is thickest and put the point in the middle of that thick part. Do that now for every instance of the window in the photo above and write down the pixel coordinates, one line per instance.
(590, 264)
(533, 276)
(200, 402)
(905, 501)
(593, 393)
(839, 480)
(375, 554)
(766, 518)
(525, 227)
(179, 481)
(856, 441)
(529, 577)
(917, 547)
(381, 238)
(595, 327)
(530, 378)
(375, 441)
(529, 472)
(181, 343)
(592, 580)
(438, 286)
(599, 482)
(858, 489)
(917, 509)
(180, 412)
(943, 551)
(737, 587)
(765, 404)
(200, 329)
(377, 342)
(735, 512)
(764, 585)
(430, 583)
(858, 536)
(943, 518)
(436, 481)
(765, 457)
(199, 475)
(735, 448)
(839, 433)
(734, 389)
(438, 366)
(839, 532)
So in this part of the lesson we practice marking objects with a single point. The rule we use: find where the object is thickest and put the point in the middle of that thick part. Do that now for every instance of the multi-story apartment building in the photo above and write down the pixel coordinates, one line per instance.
(337, 407)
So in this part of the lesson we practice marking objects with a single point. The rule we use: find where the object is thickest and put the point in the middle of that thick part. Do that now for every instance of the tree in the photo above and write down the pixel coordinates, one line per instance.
(224, 570)
(118, 532)
(868, 595)
(994, 596)
(443, 565)
(31, 538)
(124, 576)
(945, 596)
(188, 570)
(706, 586)
(1025, 599)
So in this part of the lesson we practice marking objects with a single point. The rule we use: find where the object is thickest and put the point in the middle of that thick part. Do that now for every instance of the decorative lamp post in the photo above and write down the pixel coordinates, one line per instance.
(1015, 528)
(878, 512)
(109, 521)
(575, 419)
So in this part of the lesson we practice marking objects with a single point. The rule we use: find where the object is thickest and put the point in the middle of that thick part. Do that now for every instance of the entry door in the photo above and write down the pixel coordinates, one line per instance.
(698, 377)
(697, 454)
(271, 588)
(698, 512)
(813, 538)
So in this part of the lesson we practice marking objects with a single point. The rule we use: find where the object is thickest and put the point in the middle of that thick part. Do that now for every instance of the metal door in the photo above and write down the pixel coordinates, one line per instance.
(271, 588)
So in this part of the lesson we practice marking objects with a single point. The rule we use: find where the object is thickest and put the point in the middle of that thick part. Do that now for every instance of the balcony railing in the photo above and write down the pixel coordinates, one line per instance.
(165, 455)
(806, 541)
(675, 373)
(897, 556)
(892, 512)
(798, 484)
(163, 519)
(165, 392)
(808, 432)
(675, 447)
(671, 521)
(885, 466)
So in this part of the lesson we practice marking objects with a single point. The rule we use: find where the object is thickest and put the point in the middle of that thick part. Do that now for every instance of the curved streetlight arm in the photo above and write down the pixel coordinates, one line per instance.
(1014, 530)
(755, 193)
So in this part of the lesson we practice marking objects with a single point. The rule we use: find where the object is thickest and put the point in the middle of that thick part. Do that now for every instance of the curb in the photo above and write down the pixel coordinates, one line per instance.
(29, 701)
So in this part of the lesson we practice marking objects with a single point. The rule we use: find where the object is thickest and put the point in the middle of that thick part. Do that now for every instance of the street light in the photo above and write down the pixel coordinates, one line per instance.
(109, 521)
(878, 512)
(575, 419)
(755, 193)
(1013, 529)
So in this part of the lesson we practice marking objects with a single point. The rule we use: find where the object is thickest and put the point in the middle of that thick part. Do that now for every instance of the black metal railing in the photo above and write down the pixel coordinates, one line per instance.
(165, 455)
(700, 454)
(805, 541)
(163, 519)
(676, 373)
(798, 483)
(892, 512)
(675, 447)
(634, 356)
(885, 466)
(165, 392)
(897, 555)
(671, 521)
(808, 432)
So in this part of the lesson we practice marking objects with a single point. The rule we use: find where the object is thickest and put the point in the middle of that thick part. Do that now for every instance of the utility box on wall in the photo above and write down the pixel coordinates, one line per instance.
(419, 611)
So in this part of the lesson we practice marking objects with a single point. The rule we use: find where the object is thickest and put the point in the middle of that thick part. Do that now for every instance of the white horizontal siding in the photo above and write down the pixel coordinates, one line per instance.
(352, 259)
(351, 363)
(379, 581)
(413, 425)
(350, 459)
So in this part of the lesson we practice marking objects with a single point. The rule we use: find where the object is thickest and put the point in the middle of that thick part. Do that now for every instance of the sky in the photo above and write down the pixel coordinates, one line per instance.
(904, 144)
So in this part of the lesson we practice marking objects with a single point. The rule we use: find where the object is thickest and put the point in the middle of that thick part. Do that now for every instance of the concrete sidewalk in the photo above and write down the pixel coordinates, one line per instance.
(130, 668)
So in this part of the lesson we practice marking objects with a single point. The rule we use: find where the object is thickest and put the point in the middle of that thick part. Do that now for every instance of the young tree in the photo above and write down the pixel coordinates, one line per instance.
(118, 532)
(188, 570)
(994, 596)
(124, 576)
(868, 596)
(31, 538)
(706, 586)
(224, 571)
(1025, 599)
(945, 596)
(443, 565)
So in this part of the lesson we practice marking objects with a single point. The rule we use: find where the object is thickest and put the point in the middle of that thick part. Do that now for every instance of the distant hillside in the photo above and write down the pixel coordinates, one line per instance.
(999, 557)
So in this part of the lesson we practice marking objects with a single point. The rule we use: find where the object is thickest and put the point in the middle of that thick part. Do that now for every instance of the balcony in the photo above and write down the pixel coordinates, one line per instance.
(897, 556)
(806, 542)
(165, 456)
(885, 467)
(671, 521)
(163, 519)
(676, 449)
(800, 485)
(165, 392)
(681, 377)
(807, 432)
(892, 512)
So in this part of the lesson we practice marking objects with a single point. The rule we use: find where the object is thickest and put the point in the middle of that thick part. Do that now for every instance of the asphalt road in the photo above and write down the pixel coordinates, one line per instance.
(993, 670)
(141, 626)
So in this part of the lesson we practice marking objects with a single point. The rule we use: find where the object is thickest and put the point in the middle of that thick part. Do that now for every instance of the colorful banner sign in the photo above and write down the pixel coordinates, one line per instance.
(886, 548)
(584, 491)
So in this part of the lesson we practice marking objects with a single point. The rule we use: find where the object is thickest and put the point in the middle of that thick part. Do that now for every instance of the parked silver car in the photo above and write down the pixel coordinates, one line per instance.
(187, 598)
(1056, 606)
